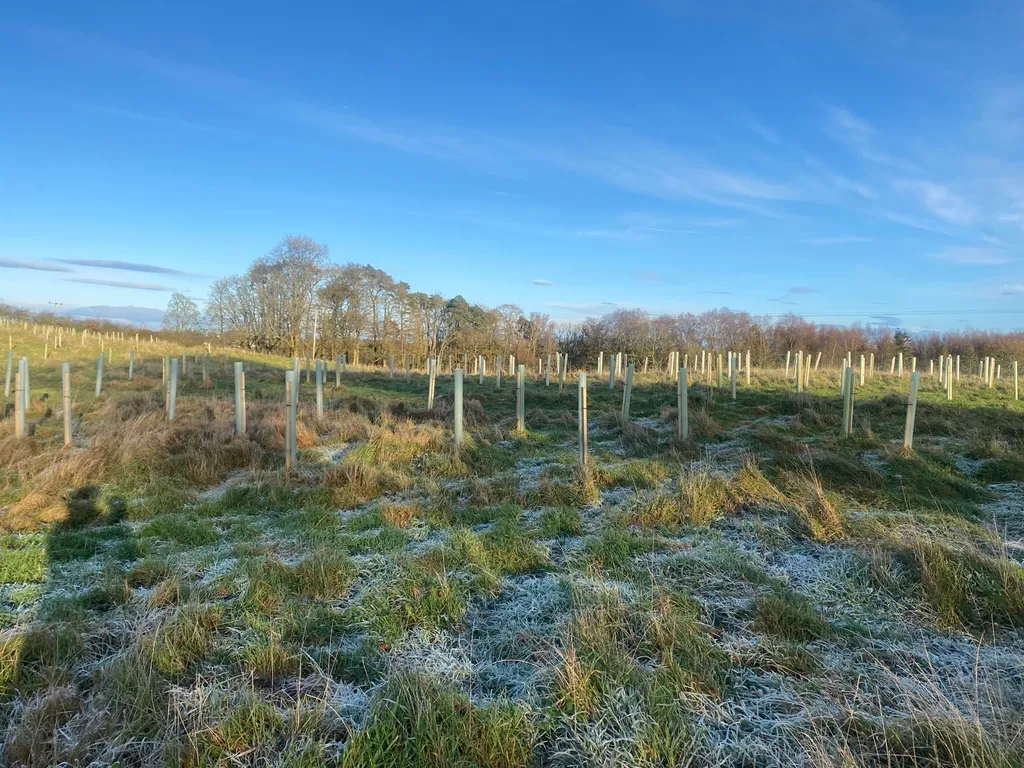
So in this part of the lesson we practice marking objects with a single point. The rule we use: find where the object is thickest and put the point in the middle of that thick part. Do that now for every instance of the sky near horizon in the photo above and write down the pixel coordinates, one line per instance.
(847, 161)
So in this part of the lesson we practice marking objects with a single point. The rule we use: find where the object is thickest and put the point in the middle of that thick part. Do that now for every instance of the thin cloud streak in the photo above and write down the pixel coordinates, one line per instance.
(36, 265)
(975, 257)
(119, 284)
(127, 266)
(600, 308)
(796, 290)
(838, 240)
(860, 136)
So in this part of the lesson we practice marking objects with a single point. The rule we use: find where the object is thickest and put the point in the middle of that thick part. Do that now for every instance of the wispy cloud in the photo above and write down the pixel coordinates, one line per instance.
(796, 290)
(838, 240)
(885, 319)
(862, 138)
(608, 234)
(546, 283)
(119, 284)
(939, 200)
(764, 131)
(651, 169)
(914, 222)
(850, 185)
(127, 266)
(123, 313)
(403, 135)
(975, 257)
(1013, 289)
(36, 265)
(845, 125)
(586, 310)
(661, 224)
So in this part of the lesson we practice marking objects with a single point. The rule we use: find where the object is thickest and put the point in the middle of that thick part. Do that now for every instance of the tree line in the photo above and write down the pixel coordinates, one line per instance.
(295, 301)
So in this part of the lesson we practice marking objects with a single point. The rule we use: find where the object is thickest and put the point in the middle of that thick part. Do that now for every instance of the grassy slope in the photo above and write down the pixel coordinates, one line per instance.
(765, 594)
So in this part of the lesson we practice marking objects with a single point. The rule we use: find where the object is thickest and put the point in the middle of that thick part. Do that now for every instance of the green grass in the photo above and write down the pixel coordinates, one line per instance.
(180, 531)
(966, 588)
(559, 523)
(501, 605)
(416, 722)
(790, 616)
(418, 598)
(23, 559)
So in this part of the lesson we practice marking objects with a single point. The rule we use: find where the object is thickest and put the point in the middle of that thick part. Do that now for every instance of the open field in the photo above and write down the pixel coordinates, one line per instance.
(766, 594)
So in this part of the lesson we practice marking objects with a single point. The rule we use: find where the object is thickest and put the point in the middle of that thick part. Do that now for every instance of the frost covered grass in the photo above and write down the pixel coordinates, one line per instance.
(765, 594)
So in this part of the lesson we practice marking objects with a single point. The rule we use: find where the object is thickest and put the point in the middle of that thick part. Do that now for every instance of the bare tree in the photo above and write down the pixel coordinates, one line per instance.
(182, 314)
(286, 279)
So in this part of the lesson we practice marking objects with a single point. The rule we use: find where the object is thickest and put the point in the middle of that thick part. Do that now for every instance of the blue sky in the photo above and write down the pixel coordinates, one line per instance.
(846, 161)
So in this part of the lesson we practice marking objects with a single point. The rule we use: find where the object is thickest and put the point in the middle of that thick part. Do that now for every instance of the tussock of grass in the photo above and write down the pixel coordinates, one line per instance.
(225, 724)
(633, 473)
(703, 424)
(790, 616)
(616, 643)
(324, 576)
(267, 660)
(182, 530)
(486, 492)
(752, 487)
(700, 498)
(148, 572)
(473, 415)
(488, 557)
(559, 523)
(400, 515)
(32, 739)
(563, 487)
(416, 598)
(355, 481)
(414, 721)
(39, 656)
(1001, 470)
(966, 587)
(815, 513)
(926, 742)
(614, 549)
(636, 439)
(177, 643)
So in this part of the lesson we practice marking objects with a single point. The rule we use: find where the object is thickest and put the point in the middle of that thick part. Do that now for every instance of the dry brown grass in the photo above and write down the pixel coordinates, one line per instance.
(35, 738)
(355, 482)
(703, 424)
(130, 445)
(815, 512)
(473, 415)
(750, 486)
(400, 515)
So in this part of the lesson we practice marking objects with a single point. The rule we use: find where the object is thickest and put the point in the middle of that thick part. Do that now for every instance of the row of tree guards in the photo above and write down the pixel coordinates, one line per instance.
(682, 399)
(57, 336)
(947, 371)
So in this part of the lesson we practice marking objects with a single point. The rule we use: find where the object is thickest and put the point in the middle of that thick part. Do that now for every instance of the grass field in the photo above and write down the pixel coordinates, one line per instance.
(766, 594)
